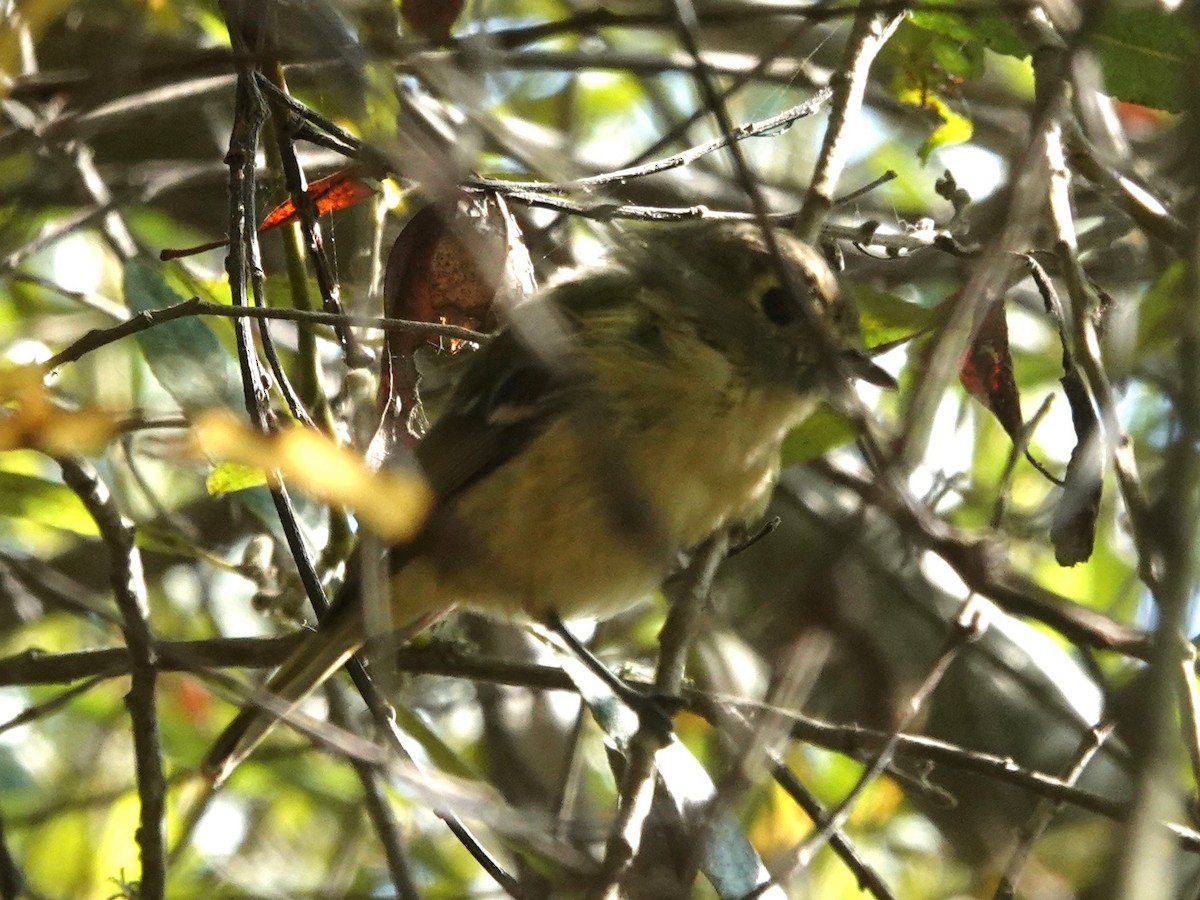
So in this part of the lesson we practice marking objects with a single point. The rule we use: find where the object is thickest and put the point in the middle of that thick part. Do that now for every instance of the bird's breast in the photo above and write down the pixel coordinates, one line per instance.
(588, 518)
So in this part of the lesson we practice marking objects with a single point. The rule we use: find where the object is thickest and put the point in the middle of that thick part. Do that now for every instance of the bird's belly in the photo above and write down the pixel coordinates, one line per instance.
(539, 538)
(561, 534)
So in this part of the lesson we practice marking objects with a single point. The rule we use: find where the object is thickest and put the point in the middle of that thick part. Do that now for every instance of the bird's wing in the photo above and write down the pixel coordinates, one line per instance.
(504, 400)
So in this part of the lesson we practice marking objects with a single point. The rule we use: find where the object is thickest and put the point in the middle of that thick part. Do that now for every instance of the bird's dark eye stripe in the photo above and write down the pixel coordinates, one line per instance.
(777, 305)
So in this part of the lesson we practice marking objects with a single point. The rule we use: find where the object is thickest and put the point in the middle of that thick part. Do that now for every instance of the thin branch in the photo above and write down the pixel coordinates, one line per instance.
(89, 216)
(448, 659)
(1149, 212)
(243, 257)
(378, 809)
(868, 879)
(405, 748)
(55, 703)
(42, 85)
(989, 278)
(1082, 353)
(870, 32)
(97, 302)
(1046, 811)
(55, 590)
(865, 235)
(857, 742)
(1189, 705)
(129, 591)
(859, 193)
(966, 629)
(310, 227)
(731, 13)
(1019, 448)
(773, 124)
(636, 791)
(986, 571)
(688, 598)
(757, 746)
(38, 667)
(100, 337)
(1173, 530)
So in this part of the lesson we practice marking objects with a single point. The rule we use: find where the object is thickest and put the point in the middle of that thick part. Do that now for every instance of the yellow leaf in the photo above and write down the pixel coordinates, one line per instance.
(392, 504)
(31, 418)
(954, 128)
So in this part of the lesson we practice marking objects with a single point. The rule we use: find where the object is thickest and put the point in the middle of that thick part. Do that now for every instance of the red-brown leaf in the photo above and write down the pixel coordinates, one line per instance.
(987, 371)
(450, 266)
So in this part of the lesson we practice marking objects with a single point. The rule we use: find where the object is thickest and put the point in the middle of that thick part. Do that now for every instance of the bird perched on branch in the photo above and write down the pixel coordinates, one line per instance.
(624, 415)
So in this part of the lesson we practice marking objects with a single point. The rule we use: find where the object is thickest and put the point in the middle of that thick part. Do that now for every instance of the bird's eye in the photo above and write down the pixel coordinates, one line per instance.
(777, 305)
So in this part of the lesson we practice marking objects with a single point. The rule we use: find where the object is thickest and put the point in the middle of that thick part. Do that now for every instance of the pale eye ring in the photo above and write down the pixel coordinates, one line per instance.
(778, 305)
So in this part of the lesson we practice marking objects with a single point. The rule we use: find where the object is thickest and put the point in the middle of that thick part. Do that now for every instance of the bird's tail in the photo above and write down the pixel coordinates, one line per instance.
(318, 657)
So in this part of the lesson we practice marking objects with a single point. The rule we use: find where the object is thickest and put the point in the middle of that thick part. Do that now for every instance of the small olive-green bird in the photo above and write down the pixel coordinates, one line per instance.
(624, 415)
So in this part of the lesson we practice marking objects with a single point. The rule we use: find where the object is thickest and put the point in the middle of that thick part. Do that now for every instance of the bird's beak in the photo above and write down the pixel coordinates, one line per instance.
(858, 365)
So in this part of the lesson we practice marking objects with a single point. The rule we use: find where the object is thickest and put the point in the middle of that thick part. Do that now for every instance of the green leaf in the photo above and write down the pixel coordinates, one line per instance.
(184, 355)
(947, 46)
(819, 433)
(885, 317)
(983, 31)
(227, 477)
(931, 50)
(44, 502)
(1158, 312)
(1145, 54)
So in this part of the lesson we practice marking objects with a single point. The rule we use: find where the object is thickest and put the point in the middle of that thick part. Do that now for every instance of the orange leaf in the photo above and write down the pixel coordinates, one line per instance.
(340, 190)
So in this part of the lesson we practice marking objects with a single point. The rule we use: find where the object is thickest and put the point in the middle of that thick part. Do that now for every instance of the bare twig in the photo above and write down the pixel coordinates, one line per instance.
(872, 185)
(987, 572)
(53, 704)
(637, 781)
(1148, 212)
(38, 667)
(1046, 811)
(310, 227)
(1189, 705)
(101, 337)
(870, 32)
(440, 658)
(129, 591)
(1086, 348)
(56, 590)
(773, 124)
(512, 38)
(379, 811)
(1020, 447)
(966, 629)
(1173, 532)
(868, 878)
